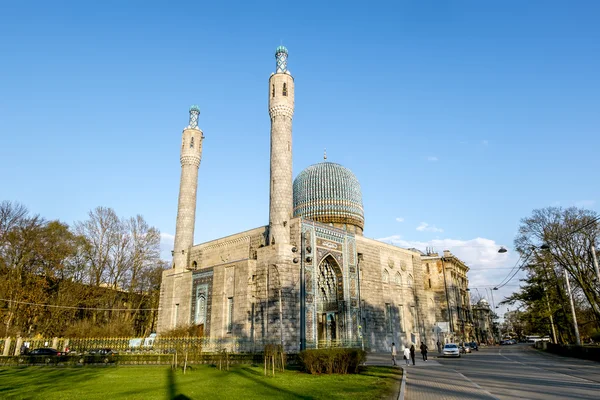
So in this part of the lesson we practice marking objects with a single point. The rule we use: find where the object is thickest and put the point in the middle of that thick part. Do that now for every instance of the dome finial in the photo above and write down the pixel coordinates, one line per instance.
(325, 154)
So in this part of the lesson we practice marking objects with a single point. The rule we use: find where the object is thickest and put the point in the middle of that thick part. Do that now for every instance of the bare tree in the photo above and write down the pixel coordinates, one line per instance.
(100, 231)
(569, 234)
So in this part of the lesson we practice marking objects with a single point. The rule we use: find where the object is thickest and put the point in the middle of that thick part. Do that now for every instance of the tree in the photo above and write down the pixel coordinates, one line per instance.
(569, 235)
(34, 254)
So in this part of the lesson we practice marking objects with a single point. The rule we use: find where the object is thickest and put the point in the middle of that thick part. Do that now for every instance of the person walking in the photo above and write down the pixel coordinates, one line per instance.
(407, 356)
(439, 346)
(412, 353)
(394, 352)
(424, 351)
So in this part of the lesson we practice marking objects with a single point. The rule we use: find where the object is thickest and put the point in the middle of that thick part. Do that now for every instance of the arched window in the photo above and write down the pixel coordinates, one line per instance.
(195, 265)
(410, 281)
(386, 276)
(201, 309)
(284, 89)
(398, 279)
(192, 142)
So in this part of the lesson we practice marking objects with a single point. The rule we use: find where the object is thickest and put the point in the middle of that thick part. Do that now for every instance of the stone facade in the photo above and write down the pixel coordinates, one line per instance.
(482, 322)
(446, 277)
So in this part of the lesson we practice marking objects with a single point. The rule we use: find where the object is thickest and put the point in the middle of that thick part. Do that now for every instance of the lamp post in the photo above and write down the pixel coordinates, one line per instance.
(595, 263)
(545, 246)
(575, 327)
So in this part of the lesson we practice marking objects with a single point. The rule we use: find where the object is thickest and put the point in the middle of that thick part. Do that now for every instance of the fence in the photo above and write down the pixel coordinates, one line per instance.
(159, 345)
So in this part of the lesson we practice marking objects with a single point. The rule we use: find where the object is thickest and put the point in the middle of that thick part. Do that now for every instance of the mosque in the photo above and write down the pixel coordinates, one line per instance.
(309, 278)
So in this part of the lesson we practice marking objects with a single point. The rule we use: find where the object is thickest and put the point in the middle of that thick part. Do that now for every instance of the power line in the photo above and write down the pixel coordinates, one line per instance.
(79, 308)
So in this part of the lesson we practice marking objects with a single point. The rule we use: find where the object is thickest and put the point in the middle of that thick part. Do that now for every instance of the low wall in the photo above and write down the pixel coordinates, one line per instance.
(585, 352)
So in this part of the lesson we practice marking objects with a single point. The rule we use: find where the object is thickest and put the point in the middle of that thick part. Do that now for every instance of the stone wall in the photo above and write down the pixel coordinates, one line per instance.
(394, 310)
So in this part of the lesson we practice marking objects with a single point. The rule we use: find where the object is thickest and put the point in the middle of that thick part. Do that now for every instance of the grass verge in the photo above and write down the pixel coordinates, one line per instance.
(200, 382)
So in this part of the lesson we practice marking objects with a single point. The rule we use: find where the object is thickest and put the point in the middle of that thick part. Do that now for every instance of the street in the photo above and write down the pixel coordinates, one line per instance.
(503, 372)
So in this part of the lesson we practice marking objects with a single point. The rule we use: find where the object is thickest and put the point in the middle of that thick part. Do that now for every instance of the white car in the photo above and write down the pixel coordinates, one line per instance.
(450, 350)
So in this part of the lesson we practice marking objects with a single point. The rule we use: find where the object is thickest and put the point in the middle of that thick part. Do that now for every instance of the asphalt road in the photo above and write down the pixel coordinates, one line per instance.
(509, 372)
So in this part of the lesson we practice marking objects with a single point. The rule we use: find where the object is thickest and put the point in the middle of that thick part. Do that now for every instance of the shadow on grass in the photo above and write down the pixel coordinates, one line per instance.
(382, 372)
(252, 375)
(172, 389)
(19, 379)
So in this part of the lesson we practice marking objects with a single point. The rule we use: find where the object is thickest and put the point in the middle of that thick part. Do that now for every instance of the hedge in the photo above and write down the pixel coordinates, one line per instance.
(332, 361)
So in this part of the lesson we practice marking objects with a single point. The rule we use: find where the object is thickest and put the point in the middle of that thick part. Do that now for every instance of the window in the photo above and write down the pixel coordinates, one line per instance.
(427, 267)
(195, 265)
(229, 314)
(401, 317)
(410, 281)
(388, 317)
(273, 91)
(175, 315)
(192, 142)
(386, 276)
(398, 279)
(429, 283)
(415, 320)
(284, 89)
(201, 309)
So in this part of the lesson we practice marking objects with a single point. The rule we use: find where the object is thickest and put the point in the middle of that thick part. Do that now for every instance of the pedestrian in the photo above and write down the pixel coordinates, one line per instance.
(439, 346)
(424, 351)
(394, 353)
(407, 356)
(412, 353)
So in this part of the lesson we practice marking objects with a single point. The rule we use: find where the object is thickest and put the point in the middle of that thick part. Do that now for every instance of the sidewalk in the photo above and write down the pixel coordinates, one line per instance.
(430, 380)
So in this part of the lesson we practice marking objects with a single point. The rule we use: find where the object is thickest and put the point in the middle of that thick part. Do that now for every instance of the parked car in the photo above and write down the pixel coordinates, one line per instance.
(465, 347)
(474, 346)
(103, 352)
(44, 351)
(45, 355)
(450, 350)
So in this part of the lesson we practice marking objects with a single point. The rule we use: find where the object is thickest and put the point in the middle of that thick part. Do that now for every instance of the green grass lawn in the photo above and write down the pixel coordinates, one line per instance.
(201, 382)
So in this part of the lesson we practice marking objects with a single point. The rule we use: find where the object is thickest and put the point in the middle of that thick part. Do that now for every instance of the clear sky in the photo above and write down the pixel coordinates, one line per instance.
(458, 118)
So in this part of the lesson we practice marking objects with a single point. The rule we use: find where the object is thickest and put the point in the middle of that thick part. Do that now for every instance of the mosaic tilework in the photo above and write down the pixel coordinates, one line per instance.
(330, 193)
(202, 286)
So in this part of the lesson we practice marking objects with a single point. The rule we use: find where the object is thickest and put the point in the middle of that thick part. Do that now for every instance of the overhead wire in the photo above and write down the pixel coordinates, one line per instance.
(77, 307)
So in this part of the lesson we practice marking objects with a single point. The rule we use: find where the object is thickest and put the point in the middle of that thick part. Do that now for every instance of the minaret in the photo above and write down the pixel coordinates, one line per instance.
(191, 152)
(281, 111)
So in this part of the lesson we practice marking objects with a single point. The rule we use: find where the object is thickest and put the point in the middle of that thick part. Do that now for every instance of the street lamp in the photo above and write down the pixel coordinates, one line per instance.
(502, 250)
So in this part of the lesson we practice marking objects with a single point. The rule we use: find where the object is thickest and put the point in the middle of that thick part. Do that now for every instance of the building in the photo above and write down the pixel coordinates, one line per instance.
(307, 279)
(482, 322)
(446, 277)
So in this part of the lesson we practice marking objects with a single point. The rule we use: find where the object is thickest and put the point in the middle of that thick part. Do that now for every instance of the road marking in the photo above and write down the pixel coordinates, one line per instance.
(477, 386)
(548, 370)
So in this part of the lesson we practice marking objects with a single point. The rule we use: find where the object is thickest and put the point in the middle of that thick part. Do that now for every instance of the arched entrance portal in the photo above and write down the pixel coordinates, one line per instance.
(329, 301)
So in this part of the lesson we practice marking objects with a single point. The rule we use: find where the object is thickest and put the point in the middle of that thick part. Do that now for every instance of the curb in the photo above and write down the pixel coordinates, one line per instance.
(402, 385)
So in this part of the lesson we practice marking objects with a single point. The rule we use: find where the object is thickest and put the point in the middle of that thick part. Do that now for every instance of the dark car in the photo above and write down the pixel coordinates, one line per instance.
(103, 352)
(44, 351)
(43, 355)
(474, 346)
(102, 355)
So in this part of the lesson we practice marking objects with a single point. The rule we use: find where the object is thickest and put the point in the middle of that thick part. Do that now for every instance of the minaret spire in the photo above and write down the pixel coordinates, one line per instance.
(191, 153)
(281, 111)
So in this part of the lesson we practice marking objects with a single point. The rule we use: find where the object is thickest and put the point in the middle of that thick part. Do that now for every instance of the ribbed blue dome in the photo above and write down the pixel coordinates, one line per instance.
(330, 193)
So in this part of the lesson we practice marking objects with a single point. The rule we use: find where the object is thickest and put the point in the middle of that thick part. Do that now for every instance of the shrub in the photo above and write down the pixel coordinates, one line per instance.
(332, 361)
(184, 331)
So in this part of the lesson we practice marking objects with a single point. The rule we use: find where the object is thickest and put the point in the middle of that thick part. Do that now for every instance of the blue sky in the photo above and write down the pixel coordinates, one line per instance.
(462, 115)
